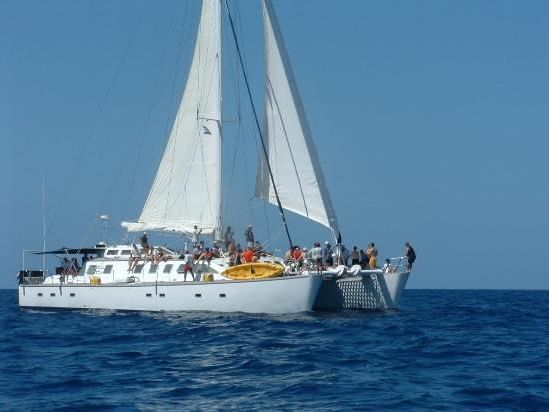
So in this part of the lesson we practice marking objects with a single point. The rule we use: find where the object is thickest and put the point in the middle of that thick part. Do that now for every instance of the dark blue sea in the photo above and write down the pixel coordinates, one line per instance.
(443, 350)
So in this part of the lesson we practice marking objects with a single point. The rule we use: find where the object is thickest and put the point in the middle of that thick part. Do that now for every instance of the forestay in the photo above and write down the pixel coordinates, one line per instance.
(187, 187)
(292, 155)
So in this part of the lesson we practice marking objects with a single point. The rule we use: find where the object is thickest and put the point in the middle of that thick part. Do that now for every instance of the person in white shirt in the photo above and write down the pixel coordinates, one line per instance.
(188, 262)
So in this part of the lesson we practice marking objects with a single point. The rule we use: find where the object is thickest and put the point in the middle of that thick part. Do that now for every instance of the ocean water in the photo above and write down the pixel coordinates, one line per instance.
(442, 350)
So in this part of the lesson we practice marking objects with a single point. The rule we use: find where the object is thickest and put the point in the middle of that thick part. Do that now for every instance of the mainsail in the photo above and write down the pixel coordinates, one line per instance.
(187, 187)
(292, 155)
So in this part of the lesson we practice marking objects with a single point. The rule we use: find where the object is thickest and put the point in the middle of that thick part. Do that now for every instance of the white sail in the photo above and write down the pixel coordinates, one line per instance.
(187, 187)
(292, 155)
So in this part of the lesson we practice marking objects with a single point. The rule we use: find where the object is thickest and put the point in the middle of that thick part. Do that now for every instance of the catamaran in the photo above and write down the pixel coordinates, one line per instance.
(187, 194)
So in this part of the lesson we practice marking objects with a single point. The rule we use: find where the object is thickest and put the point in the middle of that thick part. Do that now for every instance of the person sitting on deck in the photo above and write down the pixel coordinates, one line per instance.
(160, 256)
(207, 255)
(248, 256)
(387, 267)
(237, 258)
(289, 256)
(197, 251)
(298, 257)
(231, 250)
(258, 249)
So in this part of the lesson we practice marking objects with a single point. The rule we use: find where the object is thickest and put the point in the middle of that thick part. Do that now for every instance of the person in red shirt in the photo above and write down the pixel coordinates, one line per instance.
(248, 255)
(298, 257)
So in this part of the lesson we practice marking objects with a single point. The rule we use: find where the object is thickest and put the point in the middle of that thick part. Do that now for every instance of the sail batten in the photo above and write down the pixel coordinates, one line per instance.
(187, 188)
(291, 151)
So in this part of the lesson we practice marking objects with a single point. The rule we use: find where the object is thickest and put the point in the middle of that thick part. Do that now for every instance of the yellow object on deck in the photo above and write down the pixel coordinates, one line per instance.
(208, 277)
(95, 280)
(255, 270)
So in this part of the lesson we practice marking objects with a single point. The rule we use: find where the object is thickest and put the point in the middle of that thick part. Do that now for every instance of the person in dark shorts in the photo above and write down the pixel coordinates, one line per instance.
(410, 255)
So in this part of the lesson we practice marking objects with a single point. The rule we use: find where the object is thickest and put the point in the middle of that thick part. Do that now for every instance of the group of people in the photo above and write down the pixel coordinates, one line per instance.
(317, 257)
(321, 258)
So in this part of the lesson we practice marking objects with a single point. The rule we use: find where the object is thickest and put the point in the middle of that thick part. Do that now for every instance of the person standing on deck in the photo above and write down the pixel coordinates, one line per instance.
(196, 235)
(410, 255)
(327, 254)
(145, 243)
(372, 254)
(228, 237)
(188, 262)
(316, 256)
(355, 256)
(249, 234)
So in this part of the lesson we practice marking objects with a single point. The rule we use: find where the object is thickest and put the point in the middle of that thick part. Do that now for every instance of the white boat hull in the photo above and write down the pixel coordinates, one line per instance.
(365, 290)
(278, 295)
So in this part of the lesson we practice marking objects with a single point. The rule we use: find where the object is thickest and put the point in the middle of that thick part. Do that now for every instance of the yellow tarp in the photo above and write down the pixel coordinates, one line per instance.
(255, 270)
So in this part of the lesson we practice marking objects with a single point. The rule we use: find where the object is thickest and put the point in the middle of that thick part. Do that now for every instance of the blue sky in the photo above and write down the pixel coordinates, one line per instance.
(430, 118)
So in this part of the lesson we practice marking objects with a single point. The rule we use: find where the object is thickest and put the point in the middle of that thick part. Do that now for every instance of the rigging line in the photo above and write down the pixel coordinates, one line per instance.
(208, 196)
(139, 147)
(266, 219)
(236, 95)
(233, 165)
(282, 215)
(171, 119)
(285, 133)
(97, 117)
(142, 139)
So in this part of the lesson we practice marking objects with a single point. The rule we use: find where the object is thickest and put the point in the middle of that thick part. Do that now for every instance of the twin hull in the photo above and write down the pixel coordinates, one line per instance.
(278, 295)
(370, 291)
(366, 290)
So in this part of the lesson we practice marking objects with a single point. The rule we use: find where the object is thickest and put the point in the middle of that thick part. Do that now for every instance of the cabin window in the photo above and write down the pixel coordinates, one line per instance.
(222, 295)
(91, 269)
(148, 295)
(162, 295)
(197, 295)
(52, 294)
(154, 268)
(168, 268)
(112, 252)
(73, 295)
(138, 268)
(181, 269)
(126, 252)
(40, 295)
(108, 269)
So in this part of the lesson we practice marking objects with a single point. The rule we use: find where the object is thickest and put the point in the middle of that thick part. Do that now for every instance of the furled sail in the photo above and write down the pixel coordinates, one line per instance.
(291, 151)
(187, 187)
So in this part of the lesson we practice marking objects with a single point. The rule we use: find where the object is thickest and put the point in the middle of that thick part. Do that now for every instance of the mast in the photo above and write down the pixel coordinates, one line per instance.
(263, 145)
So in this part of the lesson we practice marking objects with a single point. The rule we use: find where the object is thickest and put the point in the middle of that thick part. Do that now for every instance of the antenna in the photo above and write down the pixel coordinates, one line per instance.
(43, 223)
